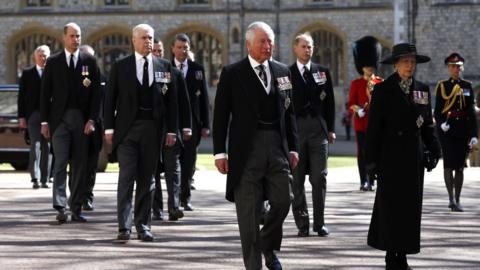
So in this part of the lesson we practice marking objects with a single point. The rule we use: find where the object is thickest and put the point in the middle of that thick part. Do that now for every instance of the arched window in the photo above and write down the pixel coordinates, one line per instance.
(24, 48)
(235, 35)
(109, 48)
(207, 50)
(329, 52)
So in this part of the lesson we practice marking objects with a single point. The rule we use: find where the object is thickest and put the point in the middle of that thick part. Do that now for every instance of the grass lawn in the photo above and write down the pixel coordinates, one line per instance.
(206, 162)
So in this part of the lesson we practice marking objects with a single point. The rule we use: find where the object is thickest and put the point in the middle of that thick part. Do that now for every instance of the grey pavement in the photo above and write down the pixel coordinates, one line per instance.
(207, 238)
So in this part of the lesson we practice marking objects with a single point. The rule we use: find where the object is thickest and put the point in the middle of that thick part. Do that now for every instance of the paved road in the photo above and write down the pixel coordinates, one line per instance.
(208, 237)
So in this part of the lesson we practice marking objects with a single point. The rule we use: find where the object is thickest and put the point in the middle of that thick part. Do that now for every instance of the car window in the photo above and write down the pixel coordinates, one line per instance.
(8, 103)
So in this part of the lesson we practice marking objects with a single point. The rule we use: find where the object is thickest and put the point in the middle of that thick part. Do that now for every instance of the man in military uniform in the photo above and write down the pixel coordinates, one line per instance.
(400, 126)
(194, 75)
(314, 105)
(366, 52)
(457, 126)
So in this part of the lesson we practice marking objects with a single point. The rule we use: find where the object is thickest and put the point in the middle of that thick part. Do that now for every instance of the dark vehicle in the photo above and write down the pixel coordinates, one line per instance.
(13, 148)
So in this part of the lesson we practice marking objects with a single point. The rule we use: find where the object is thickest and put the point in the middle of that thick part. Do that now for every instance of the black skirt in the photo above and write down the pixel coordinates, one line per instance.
(454, 151)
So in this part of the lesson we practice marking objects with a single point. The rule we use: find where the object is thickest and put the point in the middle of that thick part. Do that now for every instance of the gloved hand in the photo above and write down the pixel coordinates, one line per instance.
(472, 142)
(361, 113)
(445, 127)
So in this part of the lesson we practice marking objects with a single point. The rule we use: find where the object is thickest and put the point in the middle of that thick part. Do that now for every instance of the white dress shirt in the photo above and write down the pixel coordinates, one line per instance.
(39, 70)
(254, 65)
(139, 62)
(75, 57)
(184, 69)
(301, 68)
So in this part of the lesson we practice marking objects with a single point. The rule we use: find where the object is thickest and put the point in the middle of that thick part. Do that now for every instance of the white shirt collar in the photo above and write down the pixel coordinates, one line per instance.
(140, 57)
(177, 63)
(39, 67)
(75, 54)
(254, 62)
(300, 66)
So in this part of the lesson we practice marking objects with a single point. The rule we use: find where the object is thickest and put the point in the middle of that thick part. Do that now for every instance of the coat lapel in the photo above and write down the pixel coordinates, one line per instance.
(131, 78)
(274, 87)
(250, 82)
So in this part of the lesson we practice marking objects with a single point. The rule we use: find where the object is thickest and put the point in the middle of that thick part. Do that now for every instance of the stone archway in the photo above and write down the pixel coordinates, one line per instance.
(110, 44)
(330, 49)
(22, 45)
(208, 45)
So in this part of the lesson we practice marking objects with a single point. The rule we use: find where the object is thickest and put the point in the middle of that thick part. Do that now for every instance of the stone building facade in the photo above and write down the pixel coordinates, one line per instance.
(438, 27)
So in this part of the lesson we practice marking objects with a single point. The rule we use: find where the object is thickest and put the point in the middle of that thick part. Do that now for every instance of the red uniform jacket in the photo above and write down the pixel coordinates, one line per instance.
(358, 96)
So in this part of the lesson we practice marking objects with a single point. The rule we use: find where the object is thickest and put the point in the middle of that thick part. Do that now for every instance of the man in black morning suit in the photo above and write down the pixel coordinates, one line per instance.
(141, 98)
(314, 105)
(68, 107)
(194, 75)
(29, 88)
(253, 109)
(170, 162)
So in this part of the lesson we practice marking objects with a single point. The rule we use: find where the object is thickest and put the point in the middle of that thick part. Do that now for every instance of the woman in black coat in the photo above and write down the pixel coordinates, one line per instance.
(456, 125)
(400, 131)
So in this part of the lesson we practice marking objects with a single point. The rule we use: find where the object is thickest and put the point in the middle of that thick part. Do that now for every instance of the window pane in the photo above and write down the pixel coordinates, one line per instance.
(110, 48)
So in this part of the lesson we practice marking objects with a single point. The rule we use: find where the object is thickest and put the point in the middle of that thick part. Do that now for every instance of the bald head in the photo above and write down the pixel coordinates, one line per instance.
(72, 37)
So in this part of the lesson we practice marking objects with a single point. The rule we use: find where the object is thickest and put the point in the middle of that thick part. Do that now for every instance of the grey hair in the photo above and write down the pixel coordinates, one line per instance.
(87, 49)
(142, 26)
(42, 48)
(259, 25)
(306, 36)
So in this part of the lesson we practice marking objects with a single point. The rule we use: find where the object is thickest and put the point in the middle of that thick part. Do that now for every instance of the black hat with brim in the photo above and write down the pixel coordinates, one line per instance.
(403, 50)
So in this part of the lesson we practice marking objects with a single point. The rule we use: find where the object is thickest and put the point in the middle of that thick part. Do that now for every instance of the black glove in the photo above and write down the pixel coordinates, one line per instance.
(429, 161)
(372, 171)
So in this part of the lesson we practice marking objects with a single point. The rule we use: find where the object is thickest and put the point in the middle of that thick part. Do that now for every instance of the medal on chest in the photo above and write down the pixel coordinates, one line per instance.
(86, 81)
(419, 121)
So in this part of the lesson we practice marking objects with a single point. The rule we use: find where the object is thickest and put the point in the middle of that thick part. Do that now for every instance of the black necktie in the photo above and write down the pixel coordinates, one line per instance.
(262, 74)
(181, 69)
(307, 75)
(145, 73)
(71, 65)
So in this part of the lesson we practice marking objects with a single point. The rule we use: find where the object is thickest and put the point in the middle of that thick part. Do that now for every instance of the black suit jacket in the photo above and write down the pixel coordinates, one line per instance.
(184, 109)
(54, 94)
(121, 101)
(236, 116)
(198, 94)
(322, 100)
(29, 92)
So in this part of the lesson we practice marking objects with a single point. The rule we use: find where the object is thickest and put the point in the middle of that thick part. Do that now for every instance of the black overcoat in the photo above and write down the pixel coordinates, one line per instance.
(400, 128)
(236, 116)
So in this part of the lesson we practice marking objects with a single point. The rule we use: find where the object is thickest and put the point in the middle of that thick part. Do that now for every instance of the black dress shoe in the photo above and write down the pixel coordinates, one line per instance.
(78, 217)
(35, 185)
(44, 185)
(158, 216)
(175, 214)
(50, 180)
(62, 216)
(303, 233)
(323, 232)
(271, 261)
(146, 236)
(87, 205)
(123, 235)
(187, 206)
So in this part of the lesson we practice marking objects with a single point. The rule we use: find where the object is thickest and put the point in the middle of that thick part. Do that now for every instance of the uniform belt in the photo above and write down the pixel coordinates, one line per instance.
(460, 114)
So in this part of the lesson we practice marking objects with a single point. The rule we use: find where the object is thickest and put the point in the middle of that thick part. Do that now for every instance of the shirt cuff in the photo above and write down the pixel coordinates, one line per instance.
(293, 152)
(109, 131)
(221, 156)
(172, 134)
(44, 123)
(188, 130)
